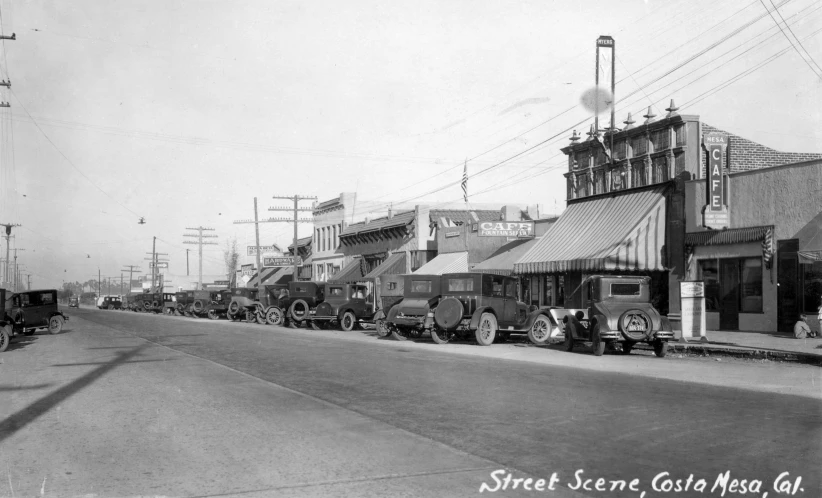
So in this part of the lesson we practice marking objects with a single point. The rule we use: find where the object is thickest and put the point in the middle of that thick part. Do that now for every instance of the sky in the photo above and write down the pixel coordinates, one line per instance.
(183, 112)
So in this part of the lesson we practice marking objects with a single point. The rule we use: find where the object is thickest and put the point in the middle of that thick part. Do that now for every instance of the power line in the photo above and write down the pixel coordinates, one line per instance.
(788, 37)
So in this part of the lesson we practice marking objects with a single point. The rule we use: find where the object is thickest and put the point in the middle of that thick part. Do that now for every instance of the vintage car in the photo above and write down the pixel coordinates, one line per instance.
(31, 310)
(74, 302)
(244, 304)
(303, 298)
(219, 304)
(617, 309)
(414, 315)
(169, 303)
(485, 307)
(153, 302)
(275, 301)
(344, 304)
(109, 303)
(389, 292)
(180, 303)
(200, 303)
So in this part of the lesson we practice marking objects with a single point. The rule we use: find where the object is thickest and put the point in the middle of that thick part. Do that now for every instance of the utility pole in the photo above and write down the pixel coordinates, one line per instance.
(131, 269)
(8, 243)
(296, 219)
(187, 274)
(16, 269)
(154, 262)
(257, 238)
(200, 243)
(28, 287)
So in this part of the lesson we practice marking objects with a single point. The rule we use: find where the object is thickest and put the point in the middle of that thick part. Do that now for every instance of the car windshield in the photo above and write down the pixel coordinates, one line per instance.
(422, 286)
(624, 289)
(460, 284)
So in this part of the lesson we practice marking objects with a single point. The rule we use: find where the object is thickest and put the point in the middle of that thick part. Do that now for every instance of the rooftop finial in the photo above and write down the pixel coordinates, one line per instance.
(649, 118)
(591, 133)
(629, 123)
(574, 137)
(672, 109)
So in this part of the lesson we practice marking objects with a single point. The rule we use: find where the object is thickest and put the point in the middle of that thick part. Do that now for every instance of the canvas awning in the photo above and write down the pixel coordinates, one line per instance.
(281, 275)
(350, 274)
(452, 262)
(393, 265)
(621, 231)
(502, 261)
(728, 236)
(810, 241)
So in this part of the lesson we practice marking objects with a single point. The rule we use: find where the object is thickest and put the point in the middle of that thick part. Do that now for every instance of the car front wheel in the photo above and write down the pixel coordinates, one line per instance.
(55, 324)
(597, 343)
(541, 331)
(5, 338)
(274, 316)
(486, 330)
(348, 321)
(382, 327)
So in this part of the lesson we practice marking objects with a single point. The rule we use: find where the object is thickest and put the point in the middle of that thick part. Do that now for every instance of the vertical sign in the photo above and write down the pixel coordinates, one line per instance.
(715, 213)
(692, 302)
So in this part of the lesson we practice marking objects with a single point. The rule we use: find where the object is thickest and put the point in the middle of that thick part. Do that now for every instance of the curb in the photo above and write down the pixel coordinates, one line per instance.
(747, 353)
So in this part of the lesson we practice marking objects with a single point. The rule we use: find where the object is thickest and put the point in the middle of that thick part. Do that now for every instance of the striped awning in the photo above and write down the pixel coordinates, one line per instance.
(623, 231)
(350, 274)
(452, 262)
(502, 261)
(728, 236)
(393, 265)
(280, 276)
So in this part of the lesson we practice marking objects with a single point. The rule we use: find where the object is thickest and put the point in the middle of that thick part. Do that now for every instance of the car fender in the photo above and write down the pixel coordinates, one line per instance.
(392, 314)
(532, 317)
(601, 320)
(475, 318)
(342, 311)
(665, 324)
(379, 315)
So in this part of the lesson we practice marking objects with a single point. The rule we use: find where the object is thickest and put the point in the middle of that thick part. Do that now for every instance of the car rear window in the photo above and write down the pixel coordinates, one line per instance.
(460, 284)
(335, 291)
(421, 286)
(392, 285)
(623, 289)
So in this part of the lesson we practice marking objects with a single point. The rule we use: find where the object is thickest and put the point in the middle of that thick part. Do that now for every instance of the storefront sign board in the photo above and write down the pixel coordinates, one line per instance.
(518, 229)
(278, 261)
(715, 214)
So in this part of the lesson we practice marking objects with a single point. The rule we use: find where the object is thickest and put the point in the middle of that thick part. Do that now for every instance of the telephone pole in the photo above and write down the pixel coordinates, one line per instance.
(296, 219)
(187, 261)
(154, 262)
(8, 244)
(257, 238)
(200, 243)
(131, 269)
(16, 269)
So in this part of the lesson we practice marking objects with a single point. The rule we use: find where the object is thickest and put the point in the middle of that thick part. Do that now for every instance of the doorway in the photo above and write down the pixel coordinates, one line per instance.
(729, 294)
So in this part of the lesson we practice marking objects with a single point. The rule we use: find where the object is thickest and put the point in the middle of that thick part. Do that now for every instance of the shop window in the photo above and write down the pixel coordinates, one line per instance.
(639, 145)
(561, 290)
(812, 287)
(660, 139)
(599, 187)
(709, 274)
(638, 174)
(548, 290)
(680, 135)
(660, 169)
(750, 285)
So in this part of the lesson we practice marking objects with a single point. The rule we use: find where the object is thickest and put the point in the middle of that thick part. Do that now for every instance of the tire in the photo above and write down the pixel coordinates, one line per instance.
(382, 327)
(660, 348)
(234, 308)
(56, 324)
(250, 317)
(634, 315)
(441, 337)
(540, 332)
(5, 339)
(198, 306)
(627, 346)
(348, 321)
(398, 334)
(155, 304)
(486, 329)
(212, 314)
(597, 343)
(301, 305)
(274, 316)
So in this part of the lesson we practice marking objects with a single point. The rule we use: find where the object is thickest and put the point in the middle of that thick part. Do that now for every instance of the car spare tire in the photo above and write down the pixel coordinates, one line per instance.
(234, 307)
(449, 313)
(198, 306)
(299, 310)
(635, 324)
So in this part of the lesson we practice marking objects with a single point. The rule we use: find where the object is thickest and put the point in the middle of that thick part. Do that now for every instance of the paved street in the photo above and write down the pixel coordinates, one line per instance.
(125, 404)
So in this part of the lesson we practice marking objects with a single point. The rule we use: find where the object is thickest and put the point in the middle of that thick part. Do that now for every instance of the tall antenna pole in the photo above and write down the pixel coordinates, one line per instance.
(200, 243)
(296, 219)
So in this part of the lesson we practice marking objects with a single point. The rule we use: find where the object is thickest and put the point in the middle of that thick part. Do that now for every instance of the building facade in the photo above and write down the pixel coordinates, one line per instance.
(330, 218)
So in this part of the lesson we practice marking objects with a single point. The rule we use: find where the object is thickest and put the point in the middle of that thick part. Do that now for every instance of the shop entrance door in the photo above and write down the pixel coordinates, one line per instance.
(788, 292)
(729, 294)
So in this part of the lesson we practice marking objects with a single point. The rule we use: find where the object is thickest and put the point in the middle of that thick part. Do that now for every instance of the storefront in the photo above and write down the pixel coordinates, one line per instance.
(533, 290)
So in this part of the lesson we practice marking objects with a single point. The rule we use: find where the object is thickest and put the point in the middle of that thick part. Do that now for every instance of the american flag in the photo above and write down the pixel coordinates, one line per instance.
(465, 181)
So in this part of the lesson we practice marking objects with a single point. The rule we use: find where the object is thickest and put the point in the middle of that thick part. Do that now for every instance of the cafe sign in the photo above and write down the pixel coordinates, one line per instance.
(279, 261)
(715, 213)
(518, 229)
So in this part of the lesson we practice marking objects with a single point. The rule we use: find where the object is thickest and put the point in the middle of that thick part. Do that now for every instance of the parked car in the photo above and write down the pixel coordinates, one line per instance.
(133, 301)
(219, 303)
(389, 293)
(275, 301)
(303, 298)
(29, 311)
(180, 302)
(169, 303)
(485, 306)
(109, 303)
(414, 315)
(617, 310)
(200, 304)
(74, 302)
(344, 304)
(244, 304)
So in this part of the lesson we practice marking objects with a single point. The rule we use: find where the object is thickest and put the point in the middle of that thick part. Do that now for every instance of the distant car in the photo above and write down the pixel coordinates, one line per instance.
(74, 302)
(617, 310)
(244, 305)
(32, 310)
(109, 303)
(345, 305)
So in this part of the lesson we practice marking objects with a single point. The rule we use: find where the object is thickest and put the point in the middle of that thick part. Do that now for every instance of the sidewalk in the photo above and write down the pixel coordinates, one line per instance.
(771, 345)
